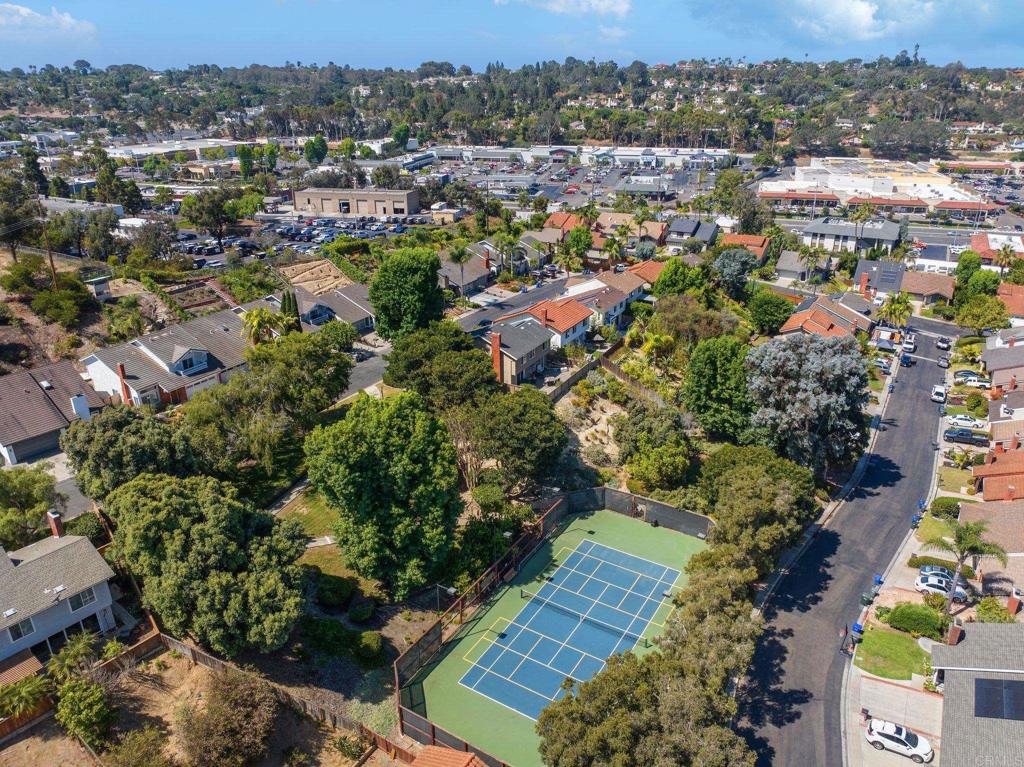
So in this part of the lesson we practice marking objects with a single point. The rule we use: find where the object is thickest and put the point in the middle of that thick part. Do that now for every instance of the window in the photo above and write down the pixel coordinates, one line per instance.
(82, 598)
(21, 629)
(187, 363)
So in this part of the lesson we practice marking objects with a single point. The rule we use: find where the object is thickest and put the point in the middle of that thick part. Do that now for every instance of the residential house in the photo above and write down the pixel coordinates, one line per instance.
(928, 287)
(169, 366)
(629, 283)
(625, 227)
(838, 234)
(793, 266)
(37, 405)
(1010, 407)
(822, 316)
(1004, 522)
(566, 318)
(987, 244)
(982, 677)
(755, 243)
(878, 278)
(648, 271)
(1001, 477)
(50, 590)
(680, 230)
(1012, 297)
(349, 303)
(519, 349)
(1004, 364)
(563, 223)
(540, 244)
(464, 279)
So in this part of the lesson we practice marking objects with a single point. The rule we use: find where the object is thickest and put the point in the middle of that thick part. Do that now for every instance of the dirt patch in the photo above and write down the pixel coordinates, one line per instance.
(151, 307)
(318, 277)
(46, 745)
(153, 692)
(196, 297)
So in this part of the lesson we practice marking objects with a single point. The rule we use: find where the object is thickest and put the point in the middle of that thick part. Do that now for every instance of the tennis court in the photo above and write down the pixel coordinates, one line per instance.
(597, 587)
(598, 603)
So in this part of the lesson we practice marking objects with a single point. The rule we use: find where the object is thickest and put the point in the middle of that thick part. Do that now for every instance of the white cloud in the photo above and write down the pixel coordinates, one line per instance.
(617, 8)
(611, 34)
(18, 22)
(835, 21)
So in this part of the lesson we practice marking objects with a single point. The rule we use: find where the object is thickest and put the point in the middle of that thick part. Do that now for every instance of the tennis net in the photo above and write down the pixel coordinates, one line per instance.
(637, 639)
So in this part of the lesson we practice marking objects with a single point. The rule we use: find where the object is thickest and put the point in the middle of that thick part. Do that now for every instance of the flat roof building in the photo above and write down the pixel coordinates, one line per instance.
(358, 202)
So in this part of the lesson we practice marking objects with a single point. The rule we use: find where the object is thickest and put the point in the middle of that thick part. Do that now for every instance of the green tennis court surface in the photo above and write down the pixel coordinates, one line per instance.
(602, 585)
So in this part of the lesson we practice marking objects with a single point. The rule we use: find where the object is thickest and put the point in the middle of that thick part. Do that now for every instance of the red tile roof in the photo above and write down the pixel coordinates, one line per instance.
(928, 284)
(649, 271)
(438, 756)
(951, 205)
(755, 243)
(882, 201)
(815, 322)
(19, 666)
(1006, 488)
(562, 315)
(1001, 465)
(563, 221)
(1012, 297)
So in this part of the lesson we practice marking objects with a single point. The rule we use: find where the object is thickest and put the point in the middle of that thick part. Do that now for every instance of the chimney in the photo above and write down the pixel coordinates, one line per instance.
(56, 523)
(1012, 342)
(80, 406)
(125, 396)
(999, 448)
(496, 355)
(1013, 383)
(1015, 442)
(1014, 602)
(864, 284)
(989, 457)
(1010, 492)
(487, 260)
(955, 634)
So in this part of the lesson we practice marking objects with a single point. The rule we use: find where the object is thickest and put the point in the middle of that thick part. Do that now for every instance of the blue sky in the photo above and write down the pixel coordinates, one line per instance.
(402, 33)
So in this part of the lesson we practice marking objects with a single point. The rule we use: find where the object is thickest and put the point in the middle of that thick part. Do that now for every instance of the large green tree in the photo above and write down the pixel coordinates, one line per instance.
(809, 395)
(769, 311)
(26, 494)
(389, 470)
(120, 443)
(715, 390)
(210, 564)
(405, 293)
(981, 312)
(209, 210)
(20, 214)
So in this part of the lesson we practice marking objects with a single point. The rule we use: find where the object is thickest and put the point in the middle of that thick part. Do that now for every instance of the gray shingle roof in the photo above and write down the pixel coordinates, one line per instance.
(1003, 358)
(71, 561)
(28, 410)
(521, 335)
(883, 276)
(886, 231)
(987, 651)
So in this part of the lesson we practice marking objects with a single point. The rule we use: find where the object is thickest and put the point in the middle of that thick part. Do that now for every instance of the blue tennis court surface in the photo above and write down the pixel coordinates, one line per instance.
(597, 603)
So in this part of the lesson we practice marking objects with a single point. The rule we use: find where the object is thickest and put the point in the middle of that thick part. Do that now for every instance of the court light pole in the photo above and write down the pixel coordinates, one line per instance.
(449, 590)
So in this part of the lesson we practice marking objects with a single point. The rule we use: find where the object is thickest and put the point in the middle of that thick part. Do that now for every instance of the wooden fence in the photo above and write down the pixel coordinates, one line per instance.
(13, 725)
(316, 711)
(635, 386)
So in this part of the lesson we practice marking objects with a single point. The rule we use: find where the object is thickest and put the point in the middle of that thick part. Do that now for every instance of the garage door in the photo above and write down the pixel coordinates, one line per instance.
(30, 448)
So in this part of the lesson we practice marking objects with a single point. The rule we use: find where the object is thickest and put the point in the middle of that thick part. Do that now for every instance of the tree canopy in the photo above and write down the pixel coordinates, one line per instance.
(26, 494)
(405, 293)
(715, 389)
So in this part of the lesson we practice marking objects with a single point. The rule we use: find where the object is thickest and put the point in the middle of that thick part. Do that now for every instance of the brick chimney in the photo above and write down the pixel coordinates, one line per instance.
(125, 396)
(487, 260)
(56, 523)
(989, 457)
(999, 448)
(496, 355)
(1011, 490)
(954, 635)
(1012, 342)
(1013, 383)
(864, 284)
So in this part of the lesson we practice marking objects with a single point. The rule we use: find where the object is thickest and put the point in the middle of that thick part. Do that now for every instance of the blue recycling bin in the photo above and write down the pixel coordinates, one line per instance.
(877, 581)
(915, 521)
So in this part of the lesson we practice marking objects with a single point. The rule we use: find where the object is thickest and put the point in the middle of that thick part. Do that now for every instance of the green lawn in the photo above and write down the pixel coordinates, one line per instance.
(951, 479)
(932, 527)
(874, 379)
(312, 513)
(332, 562)
(890, 654)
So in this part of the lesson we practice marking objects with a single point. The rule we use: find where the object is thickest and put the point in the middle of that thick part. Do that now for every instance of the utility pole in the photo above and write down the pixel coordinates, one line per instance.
(49, 255)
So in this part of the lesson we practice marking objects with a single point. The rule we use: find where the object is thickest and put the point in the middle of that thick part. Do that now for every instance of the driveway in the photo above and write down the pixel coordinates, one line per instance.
(368, 372)
(790, 704)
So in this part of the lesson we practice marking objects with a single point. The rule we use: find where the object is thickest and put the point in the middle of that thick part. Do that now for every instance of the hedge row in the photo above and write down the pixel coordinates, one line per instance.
(917, 620)
(917, 561)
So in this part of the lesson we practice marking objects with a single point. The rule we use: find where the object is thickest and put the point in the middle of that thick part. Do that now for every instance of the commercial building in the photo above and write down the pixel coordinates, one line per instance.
(358, 202)
(194, 148)
(836, 234)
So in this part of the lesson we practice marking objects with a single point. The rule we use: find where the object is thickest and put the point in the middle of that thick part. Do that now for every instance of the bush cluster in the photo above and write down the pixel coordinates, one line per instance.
(918, 561)
(917, 620)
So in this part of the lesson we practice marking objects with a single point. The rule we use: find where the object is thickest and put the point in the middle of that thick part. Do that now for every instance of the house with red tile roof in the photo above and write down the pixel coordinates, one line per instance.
(649, 271)
(755, 243)
(563, 222)
(824, 317)
(1012, 297)
(1001, 477)
(567, 318)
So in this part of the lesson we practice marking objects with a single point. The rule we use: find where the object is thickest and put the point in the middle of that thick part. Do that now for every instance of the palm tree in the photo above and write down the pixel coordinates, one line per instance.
(613, 248)
(896, 309)
(74, 657)
(567, 260)
(657, 346)
(640, 219)
(503, 244)
(811, 259)
(460, 256)
(961, 457)
(966, 541)
(259, 324)
(23, 696)
(1004, 258)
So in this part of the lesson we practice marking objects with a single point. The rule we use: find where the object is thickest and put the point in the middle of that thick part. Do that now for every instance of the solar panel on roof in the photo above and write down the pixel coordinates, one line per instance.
(999, 699)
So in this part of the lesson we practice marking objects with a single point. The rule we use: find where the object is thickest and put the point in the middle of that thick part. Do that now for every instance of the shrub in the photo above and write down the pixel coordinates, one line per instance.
(917, 620)
(617, 391)
(349, 746)
(232, 728)
(596, 455)
(139, 748)
(490, 499)
(361, 611)
(334, 592)
(882, 613)
(370, 648)
(945, 508)
(935, 601)
(918, 561)
(112, 649)
(83, 710)
(6, 315)
(88, 526)
(991, 610)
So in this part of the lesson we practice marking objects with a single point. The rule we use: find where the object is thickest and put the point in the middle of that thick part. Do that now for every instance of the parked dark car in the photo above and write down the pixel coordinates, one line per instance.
(906, 360)
(965, 437)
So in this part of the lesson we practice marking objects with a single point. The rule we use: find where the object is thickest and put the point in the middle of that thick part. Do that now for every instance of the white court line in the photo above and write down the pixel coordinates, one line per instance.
(659, 600)
(506, 705)
(667, 570)
(580, 624)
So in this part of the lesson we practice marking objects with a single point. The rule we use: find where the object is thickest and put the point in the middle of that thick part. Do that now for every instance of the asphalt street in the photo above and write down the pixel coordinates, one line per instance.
(790, 703)
(549, 289)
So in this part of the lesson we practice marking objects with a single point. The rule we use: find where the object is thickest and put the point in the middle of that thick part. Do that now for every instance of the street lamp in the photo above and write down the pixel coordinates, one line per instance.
(449, 590)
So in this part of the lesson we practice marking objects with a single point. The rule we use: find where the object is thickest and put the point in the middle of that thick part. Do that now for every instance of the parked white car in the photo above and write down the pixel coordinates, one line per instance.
(942, 572)
(936, 584)
(910, 343)
(965, 421)
(886, 736)
(938, 393)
